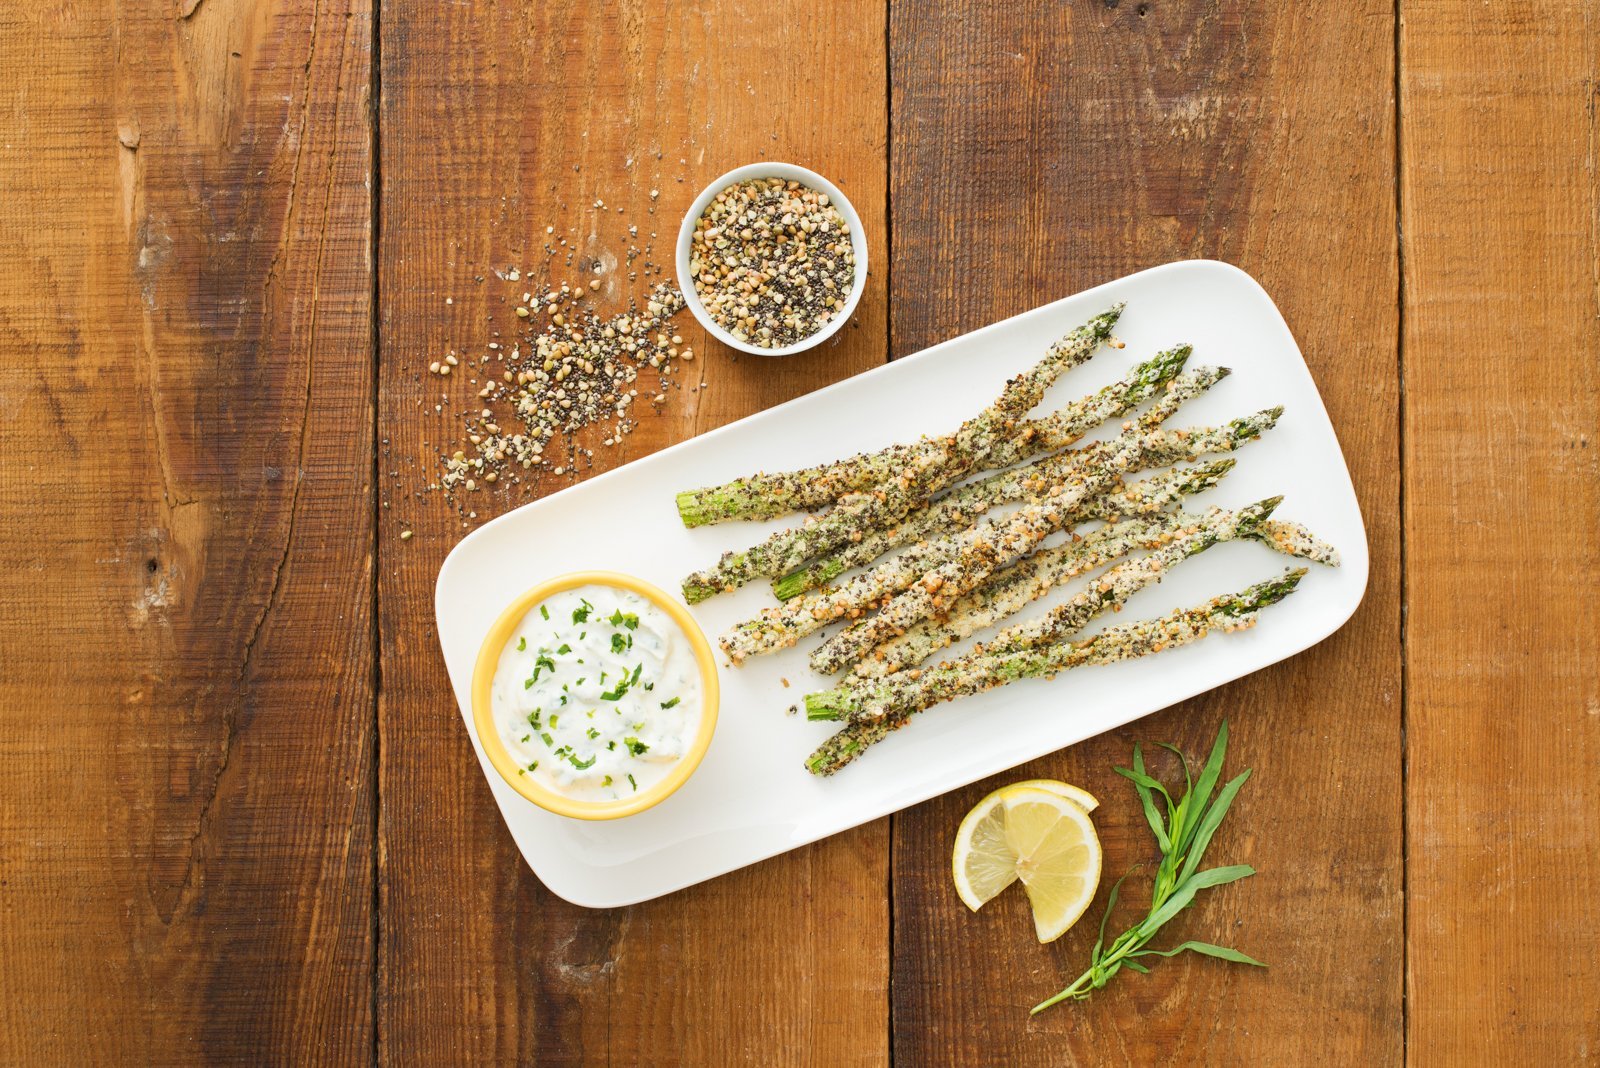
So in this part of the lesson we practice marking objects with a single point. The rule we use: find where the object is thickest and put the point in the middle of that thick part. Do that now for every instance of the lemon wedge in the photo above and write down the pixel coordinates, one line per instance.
(984, 862)
(1083, 798)
(1057, 856)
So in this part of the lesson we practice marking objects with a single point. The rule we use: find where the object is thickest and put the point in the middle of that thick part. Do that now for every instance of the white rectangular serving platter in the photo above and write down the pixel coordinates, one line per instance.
(752, 798)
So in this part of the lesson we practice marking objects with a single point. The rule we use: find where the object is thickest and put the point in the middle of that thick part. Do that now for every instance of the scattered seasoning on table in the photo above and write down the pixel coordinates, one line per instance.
(572, 370)
(565, 368)
(772, 261)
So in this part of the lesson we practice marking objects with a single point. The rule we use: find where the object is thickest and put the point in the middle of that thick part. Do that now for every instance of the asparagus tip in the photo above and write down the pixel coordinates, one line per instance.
(1251, 516)
(1265, 593)
(1100, 326)
(1204, 476)
(1163, 365)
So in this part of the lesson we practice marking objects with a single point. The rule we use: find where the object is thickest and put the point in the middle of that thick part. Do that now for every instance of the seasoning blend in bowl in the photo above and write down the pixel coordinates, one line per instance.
(772, 258)
(595, 695)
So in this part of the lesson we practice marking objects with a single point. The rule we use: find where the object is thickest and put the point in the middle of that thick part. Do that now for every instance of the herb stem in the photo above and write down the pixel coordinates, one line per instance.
(1183, 835)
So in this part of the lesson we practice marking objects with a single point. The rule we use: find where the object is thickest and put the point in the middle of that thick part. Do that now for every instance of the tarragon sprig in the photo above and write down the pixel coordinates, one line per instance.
(1183, 836)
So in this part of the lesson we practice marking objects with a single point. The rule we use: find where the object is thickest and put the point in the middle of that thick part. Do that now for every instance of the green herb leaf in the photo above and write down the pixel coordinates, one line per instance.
(1213, 769)
(672, 703)
(1205, 948)
(1208, 826)
(1143, 784)
(1183, 837)
(522, 644)
(581, 764)
(1181, 897)
(544, 610)
(1183, 762)
(635, 746)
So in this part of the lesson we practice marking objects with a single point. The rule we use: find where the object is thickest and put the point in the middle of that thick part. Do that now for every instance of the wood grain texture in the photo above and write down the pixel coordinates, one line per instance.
(498, 121)
(187, 703)
(186, 707)
(1502, 327)
(1080, 142)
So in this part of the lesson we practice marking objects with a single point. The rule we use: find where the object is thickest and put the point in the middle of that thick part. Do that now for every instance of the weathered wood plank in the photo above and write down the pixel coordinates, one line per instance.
(1080, 142)
(1502, 530)
(497, 122)
(186, 707)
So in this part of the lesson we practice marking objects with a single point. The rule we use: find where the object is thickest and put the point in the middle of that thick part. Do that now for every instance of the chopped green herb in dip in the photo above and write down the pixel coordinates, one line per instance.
(598, 649)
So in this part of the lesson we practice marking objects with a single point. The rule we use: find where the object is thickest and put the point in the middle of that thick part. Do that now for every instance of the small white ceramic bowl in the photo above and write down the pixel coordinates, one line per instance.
(858, 239)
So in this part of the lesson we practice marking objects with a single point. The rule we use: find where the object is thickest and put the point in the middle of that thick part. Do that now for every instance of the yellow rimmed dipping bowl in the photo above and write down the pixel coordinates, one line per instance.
(494, 644)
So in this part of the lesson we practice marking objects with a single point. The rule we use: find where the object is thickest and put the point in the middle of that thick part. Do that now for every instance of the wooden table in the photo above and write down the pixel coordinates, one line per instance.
(241, 820)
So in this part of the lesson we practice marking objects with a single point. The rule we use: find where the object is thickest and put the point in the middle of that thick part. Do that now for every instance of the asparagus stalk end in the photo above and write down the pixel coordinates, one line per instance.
(825, 704)
(695, 592)
(700, 506)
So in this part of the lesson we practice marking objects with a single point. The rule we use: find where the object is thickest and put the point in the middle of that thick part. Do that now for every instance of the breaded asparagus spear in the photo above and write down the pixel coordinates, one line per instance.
(1034, 576)
(965, 505)
(948, 463)
(943, 683)
(1111, 590)
(1013, 537)
(765, 496)
(782, 625)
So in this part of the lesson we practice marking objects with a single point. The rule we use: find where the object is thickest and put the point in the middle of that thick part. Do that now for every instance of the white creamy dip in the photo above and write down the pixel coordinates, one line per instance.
(597, 693)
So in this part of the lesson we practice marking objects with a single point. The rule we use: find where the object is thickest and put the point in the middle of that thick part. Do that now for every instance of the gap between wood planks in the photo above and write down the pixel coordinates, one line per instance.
(374, 321)
(1400, 444)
